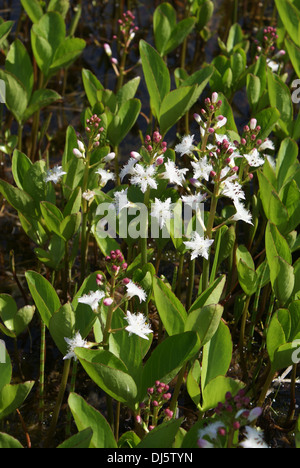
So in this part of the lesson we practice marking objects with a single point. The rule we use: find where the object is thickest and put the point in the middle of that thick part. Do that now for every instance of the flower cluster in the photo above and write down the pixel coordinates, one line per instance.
(233, 426)
(115, 262)
(267, 45)
(155, 408)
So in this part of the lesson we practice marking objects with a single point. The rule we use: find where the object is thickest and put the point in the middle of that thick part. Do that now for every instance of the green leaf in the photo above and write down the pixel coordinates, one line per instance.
(246, 270)
(128, 91)
(109, 373)
(33, 9)
(17, 198)
(235, 37)
(91, 86)
(61, 6)
(70, 225)
(80, 440)
(67, 52)
(290, 17)
(41, 98)
(15, 320)
(52, 215)
(128, 440)
(164, 20)
(5, 29)
(12, 396)
(46, 36)
(86, 416)
(170, 309)
(44, 295)
(174, 105)
(253, 88)
(176, 351)
(5, 371)
(20, 165)
(156, 75)
(178, 34)
(34, 183)
(161, 436)
(216, 389)
(123, 121)
(280, 99)
(16, 97)
(294, 54)
(18, 63)
(62, 325)
(204, 322)
(211, 295)
(217, 355)
(7, 441)
(287, 155)
(267, 119)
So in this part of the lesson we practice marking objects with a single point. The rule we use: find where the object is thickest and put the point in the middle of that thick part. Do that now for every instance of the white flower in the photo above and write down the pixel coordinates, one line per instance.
(242, 214)
(254, 438)
(109, 157)
(92, 299)
(173, 174)
(88, 195)
(193, 200)
(221, 122)
(211, 430)
(273, 65)
(128, 167)
(76, 342)
(55, 174)
(121, 201)
(144, 177)
(137, 325)
(253, 123)
(105, 176)
(186, 146)
(267, 144)
(254, 159)
(214, 97)
(162, 211)
(198, 245)
(203, 443)
(202, 169)
(233, 190)
(135, 290)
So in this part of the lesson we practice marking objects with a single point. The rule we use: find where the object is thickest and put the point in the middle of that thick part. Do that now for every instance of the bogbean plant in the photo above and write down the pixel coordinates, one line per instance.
(231, 297)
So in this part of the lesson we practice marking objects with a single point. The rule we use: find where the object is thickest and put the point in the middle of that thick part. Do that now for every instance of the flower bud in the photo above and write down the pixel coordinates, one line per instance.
(108, 301)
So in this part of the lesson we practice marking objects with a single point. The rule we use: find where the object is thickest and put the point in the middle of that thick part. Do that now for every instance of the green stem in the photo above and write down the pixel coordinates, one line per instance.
(36, 120)
(59, 401)
(109, 315)
(20, 136)
(72, 389)
(117, 421)
(176, 392)
(179, 277)
(266, 387)
(242, 334)
(42, 372)
(210, 224)
(191, 284)
(144, 237)
(84, 236)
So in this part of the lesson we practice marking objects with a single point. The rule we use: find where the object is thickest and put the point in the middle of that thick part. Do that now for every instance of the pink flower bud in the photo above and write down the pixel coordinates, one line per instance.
(108, 301)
